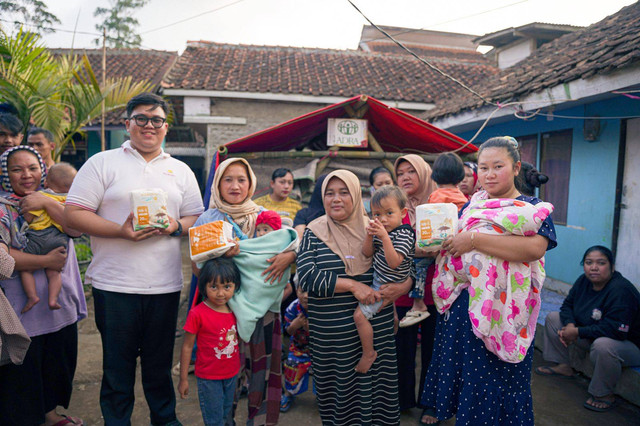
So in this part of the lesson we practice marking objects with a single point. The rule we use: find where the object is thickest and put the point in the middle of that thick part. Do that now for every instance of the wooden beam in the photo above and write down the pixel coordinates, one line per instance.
(324, 162)
(377, 148)
(371, 155)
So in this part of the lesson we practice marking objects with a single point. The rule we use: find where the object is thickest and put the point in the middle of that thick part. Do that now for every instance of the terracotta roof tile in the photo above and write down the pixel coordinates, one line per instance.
(598, 49)
(317, 72)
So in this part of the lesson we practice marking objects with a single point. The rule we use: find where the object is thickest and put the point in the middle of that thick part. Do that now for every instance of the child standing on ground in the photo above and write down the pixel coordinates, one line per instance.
(392, 246)
(44, 234)
(295, 372)
(214, 325)
(448, 172)
(267, 221)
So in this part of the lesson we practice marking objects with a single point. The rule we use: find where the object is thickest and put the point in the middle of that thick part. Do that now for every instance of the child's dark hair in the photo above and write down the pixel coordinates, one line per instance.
(529, 179)
(389, 191)
(221, 270)
(11, 123)
(281, 172)
(506, 142)
(602, 249)
(448, 169)
(378, 170)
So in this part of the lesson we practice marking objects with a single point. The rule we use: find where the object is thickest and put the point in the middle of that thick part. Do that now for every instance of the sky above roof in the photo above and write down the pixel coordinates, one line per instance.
(169, 24)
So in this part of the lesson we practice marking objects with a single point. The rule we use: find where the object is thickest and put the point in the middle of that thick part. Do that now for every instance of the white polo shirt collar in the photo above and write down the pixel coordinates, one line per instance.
(126, 146)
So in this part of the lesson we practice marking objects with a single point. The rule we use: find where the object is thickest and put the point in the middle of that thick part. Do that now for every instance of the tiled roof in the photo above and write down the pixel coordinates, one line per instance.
(445, 54)
(316, 72)
(140, 64)
(601, 48)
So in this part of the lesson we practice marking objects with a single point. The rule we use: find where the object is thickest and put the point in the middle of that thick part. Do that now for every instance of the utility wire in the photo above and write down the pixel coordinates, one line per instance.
(192, 17)
(424, 61)
(452, 20)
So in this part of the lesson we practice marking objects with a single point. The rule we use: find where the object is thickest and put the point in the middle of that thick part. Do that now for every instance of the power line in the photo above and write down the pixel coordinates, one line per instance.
(453, 20)
(424, 61)
(192, 17)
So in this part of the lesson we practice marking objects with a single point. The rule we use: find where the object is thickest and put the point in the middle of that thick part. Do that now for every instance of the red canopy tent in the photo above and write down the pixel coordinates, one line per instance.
(395, 130)
(391, 133)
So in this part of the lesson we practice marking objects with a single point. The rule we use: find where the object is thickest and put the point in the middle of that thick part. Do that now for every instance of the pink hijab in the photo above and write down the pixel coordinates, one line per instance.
(426, 184)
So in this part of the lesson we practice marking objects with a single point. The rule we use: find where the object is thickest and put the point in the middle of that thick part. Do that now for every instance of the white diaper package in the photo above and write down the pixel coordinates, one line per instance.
(149, 208)
(434, 223)
(210, 240)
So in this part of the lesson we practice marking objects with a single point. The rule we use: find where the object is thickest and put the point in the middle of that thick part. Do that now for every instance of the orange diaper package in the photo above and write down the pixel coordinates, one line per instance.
(210, 240)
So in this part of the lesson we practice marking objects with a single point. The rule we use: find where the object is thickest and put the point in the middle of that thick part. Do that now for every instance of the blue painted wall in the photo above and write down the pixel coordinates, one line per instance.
(592, 181)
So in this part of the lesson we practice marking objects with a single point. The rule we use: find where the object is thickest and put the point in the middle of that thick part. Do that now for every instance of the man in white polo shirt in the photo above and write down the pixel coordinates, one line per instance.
(136, 275)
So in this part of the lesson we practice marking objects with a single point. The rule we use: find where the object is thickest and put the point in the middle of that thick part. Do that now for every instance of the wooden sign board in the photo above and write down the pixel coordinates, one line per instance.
(347, 133)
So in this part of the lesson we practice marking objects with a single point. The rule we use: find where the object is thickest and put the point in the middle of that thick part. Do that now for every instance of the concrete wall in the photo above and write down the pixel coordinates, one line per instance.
(259, 116)
(592, 186)
(511, 55)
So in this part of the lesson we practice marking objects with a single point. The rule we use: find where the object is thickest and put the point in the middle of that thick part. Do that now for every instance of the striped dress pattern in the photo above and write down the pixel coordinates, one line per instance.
(345, 397)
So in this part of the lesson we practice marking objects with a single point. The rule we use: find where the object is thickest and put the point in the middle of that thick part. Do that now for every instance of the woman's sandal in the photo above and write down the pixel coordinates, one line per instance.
(429, 412)
(546, 370)
(68, 420)
(608, 405)
(413, 317)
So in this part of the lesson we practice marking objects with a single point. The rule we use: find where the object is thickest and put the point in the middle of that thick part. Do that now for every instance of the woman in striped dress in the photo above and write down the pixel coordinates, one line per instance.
(335, 273)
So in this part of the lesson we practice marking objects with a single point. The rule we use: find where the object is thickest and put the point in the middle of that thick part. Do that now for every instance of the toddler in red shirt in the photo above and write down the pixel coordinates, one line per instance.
(214, 325)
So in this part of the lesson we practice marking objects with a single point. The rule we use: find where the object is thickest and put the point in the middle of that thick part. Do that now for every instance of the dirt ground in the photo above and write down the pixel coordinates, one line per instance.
(556, 401)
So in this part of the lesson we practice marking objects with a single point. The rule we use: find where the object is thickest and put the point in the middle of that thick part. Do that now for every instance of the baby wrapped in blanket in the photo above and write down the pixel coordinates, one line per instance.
(504, 297)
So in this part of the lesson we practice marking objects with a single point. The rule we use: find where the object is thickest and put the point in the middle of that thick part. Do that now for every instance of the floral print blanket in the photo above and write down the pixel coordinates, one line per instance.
(504, 297)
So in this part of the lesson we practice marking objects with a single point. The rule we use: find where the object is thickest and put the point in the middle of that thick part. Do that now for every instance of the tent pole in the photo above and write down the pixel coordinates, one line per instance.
(324, 162)
(377, 148)
(372, 140)
(372, 155)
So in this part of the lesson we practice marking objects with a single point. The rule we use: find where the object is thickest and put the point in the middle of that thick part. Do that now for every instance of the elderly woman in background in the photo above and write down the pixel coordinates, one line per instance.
(469, 184)
(30, 393)
(601, 314)
(336, 275)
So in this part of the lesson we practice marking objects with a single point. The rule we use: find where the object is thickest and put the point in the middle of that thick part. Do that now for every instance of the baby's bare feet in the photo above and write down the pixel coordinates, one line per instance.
(31, 301)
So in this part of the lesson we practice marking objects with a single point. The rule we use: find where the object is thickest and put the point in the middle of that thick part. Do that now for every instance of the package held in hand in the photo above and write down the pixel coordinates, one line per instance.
(149, 208)
(435, 222)
(210, 240)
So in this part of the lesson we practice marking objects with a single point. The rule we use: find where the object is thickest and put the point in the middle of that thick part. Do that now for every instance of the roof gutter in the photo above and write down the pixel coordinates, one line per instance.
(567, 92)
(282, 97)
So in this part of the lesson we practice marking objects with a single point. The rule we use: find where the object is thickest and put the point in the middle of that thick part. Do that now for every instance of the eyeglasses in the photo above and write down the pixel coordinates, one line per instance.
(142, 120)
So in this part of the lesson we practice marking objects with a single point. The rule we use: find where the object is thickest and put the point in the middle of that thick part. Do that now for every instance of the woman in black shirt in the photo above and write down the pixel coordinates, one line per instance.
(601, 315)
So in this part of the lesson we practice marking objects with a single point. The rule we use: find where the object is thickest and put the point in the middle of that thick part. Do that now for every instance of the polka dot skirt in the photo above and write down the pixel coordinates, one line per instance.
(466, 380)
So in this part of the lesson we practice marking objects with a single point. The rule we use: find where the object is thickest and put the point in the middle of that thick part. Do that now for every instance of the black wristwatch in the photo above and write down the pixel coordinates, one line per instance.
(177, 232)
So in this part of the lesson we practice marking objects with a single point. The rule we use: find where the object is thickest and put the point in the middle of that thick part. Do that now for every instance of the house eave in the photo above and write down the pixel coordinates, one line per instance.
(282, 97)
(573, 91)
